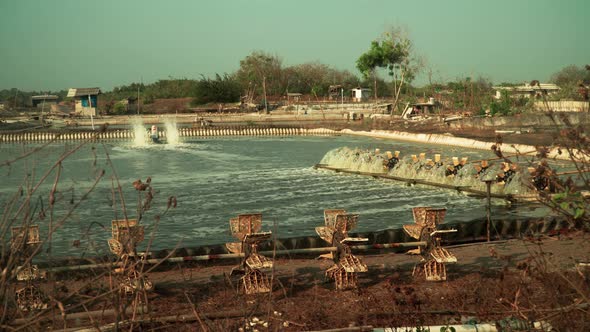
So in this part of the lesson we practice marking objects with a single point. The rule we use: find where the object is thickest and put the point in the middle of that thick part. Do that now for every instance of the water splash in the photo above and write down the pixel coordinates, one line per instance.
(409, 168)
(140, 133)
(172, 136)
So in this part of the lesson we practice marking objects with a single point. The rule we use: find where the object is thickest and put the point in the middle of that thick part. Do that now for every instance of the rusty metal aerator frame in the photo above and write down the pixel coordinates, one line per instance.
(26, 242)
(247, 229)
(126, 234)
(434, 256)
(347, 266)
(335, 232)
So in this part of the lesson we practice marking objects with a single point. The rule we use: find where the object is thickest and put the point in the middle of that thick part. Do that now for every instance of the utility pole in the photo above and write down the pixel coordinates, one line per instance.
(42, 109)
(264, 91)
(15, 95)
(90, 109)
(138, 103)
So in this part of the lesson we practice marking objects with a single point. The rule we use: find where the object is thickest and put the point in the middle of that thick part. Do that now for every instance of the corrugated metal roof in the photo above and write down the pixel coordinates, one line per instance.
(44, 97)
(77, 92)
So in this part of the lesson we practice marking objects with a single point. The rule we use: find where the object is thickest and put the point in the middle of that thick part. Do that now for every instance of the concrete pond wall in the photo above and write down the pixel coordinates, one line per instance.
(427, 138)
(450, 140)
(532, 121)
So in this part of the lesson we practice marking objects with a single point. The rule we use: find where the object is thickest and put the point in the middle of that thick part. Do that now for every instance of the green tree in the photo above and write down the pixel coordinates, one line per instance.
(394, 52)
(569, 80)
(259, 67)
(469, 94)
(503, 106)
(369, 61)
(222, 89)
(401, 60)
(571, 75)
(119, 109)
(317, 77)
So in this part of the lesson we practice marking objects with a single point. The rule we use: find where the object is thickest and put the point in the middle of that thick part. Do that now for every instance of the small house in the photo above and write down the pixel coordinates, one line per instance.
(360, 94)
(293, 97)
(44, 101)
(85, 100)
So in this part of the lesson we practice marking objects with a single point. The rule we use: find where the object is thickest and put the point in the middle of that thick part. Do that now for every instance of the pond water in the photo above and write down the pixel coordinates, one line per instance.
(216, 179)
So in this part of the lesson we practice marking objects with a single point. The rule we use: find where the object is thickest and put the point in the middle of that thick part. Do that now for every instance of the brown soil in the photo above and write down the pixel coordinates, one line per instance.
(533, 279)
(167, 106)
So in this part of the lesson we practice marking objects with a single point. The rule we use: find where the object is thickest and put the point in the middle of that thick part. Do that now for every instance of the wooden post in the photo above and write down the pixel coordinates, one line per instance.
(90, 107)
(42, 109)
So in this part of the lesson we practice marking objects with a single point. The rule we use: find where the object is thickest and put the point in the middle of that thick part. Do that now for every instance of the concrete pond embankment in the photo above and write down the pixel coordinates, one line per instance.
(531, 122)
(450, 140)
(427, 138)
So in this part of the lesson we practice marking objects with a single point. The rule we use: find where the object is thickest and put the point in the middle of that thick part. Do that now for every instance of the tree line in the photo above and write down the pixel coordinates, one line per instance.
(263, 74)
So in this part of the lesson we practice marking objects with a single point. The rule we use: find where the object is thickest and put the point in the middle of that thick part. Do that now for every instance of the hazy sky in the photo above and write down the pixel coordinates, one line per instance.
(57, 44)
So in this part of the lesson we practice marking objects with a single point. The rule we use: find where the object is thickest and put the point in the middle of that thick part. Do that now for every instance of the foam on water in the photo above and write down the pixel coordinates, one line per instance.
(140, 133)
(172, 136)
(367, 161)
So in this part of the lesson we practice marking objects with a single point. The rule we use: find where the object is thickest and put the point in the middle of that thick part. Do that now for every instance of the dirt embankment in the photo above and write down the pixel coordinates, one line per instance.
(532, 280)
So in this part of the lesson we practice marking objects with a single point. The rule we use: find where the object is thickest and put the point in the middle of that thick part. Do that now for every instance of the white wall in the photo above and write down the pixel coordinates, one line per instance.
(562, 106)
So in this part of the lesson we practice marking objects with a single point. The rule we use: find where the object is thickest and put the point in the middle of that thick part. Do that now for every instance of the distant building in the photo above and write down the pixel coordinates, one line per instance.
(1, 105)
(130, 104)
(293, 97)
(420, 110)
(85, 100)
(360, 94)
(336, 92)
(527, 90)
(44, 101)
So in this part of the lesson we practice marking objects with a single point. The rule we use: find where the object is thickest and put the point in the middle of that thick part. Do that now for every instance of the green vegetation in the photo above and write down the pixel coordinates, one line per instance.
(119, 109)
(569, 80)
(368, 62)
(315, 78)
(169, 88)
(502, 106)
(16, 98)
(394, 51)
(223, 89)
(260, 68)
